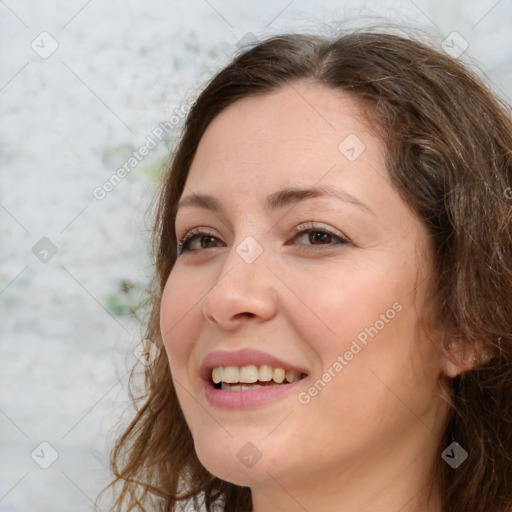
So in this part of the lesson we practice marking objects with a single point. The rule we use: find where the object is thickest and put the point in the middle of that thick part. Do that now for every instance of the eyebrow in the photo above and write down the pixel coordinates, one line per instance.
(277, 200)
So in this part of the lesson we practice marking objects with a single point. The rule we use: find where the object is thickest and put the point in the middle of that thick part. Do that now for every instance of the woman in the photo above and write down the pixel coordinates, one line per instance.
(333, 290)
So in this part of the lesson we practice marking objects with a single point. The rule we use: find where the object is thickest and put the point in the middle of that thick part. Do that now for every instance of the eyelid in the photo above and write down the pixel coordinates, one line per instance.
(315, 226)
(296, 230)
(187, 230)
(191, 233)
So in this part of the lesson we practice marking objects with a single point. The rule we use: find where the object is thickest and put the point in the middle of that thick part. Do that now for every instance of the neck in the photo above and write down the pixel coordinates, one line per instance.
(387, 480)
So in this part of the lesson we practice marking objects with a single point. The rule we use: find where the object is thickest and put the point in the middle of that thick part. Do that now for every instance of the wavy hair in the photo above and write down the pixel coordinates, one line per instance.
(449, 156)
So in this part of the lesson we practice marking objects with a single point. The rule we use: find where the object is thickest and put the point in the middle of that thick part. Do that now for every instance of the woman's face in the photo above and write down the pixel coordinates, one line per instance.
(305, 254)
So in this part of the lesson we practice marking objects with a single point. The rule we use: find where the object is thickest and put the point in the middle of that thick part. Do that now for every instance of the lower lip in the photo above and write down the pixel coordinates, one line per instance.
(247, 398)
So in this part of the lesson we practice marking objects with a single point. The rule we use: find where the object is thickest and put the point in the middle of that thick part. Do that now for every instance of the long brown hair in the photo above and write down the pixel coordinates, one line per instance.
(449, 155)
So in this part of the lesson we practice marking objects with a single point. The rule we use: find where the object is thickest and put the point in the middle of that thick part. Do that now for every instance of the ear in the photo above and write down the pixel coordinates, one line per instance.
(461, 357)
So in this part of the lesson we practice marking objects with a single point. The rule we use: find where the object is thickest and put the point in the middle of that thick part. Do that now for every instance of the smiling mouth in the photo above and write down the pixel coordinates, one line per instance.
(233, 378)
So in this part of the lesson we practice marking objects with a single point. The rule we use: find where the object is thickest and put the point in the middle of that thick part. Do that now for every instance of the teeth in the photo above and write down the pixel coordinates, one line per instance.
(217, 374)
(241, 387)
(278, 375)
(231, 374)
(292, 375)
(265, 373)
(251, 374)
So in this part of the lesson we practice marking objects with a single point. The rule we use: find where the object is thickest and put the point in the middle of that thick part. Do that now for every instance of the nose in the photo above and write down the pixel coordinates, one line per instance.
(243, 291)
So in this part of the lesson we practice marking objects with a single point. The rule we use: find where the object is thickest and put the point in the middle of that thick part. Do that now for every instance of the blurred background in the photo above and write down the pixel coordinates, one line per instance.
(89, 87)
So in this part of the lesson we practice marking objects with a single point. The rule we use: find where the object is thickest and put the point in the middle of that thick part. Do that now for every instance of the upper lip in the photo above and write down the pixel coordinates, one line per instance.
(244, 357)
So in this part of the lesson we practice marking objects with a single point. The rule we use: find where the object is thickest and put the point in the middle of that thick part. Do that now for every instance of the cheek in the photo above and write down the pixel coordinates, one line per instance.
(366, 314)
(181, 301)
(336, 303)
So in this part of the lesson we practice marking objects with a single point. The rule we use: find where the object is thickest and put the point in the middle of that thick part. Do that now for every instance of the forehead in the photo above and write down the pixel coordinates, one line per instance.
(301, 134)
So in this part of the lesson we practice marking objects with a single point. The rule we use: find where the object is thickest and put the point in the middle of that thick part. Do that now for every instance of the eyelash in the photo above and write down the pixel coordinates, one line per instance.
(299, 230)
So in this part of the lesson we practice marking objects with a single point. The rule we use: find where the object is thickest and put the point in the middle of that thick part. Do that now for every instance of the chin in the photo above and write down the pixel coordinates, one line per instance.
(238, 462)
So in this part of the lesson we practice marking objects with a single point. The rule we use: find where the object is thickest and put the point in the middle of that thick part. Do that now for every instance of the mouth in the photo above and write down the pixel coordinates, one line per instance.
(233, 378)
(247, 378)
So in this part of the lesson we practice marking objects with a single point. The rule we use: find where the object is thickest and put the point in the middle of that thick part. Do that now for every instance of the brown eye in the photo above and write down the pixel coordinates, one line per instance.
(319, 237)
(207, 242)
(316, 236)
(196, 241)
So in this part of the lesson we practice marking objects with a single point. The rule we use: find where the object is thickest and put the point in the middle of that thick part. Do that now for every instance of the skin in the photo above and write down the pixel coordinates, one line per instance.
(368, 440)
